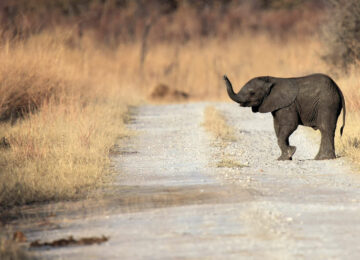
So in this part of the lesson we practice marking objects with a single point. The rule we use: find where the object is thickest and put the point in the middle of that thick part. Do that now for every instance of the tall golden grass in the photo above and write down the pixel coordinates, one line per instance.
(11, 250)
(60, 150)
(197, 67)
(77, 94)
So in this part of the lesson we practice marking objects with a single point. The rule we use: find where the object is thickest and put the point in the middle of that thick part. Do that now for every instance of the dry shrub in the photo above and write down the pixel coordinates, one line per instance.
(341, 34)
(25, 83)
(162, 92)
(116, 22)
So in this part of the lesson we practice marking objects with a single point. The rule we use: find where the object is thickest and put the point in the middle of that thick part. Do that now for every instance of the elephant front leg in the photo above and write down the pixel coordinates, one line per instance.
(327, 148)
(283, 133)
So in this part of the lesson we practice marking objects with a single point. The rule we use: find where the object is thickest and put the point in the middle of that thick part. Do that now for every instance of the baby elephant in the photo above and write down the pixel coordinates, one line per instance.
(313, 100)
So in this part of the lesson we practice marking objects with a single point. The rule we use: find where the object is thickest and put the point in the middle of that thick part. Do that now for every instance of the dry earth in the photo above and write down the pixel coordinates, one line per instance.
(170, 200)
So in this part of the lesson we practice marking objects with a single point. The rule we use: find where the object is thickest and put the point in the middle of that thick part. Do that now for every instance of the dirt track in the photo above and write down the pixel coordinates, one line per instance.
(171, 201)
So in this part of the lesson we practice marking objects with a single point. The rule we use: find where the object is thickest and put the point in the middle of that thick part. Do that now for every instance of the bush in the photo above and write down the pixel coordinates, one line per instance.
(125, 21)
(342, 34)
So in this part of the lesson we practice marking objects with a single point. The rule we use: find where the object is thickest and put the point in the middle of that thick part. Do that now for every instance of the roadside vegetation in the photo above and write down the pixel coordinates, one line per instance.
(62, 110)
(11, 250)
(223, 135)
(216, 124)
(69, 70)
(340, 38)
(65, 85)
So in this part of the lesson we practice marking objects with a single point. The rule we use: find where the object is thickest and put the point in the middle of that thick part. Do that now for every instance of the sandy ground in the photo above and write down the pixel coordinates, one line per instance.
(171, 201)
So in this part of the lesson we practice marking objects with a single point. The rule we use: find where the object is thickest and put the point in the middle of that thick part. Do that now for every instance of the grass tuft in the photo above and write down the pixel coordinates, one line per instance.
(11, 250)
(349, 144)
(230, 163)
(216, 124)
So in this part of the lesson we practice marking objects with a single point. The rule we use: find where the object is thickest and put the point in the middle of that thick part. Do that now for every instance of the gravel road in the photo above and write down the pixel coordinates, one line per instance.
(171, 201)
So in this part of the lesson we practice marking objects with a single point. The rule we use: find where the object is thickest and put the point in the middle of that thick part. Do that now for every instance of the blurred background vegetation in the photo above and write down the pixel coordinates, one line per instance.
(112, 22)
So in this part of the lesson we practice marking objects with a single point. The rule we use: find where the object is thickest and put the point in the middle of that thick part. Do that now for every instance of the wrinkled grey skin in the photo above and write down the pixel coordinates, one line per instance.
(315, 101)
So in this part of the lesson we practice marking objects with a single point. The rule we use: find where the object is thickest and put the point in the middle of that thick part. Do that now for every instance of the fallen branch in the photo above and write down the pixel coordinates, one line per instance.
(70, 241)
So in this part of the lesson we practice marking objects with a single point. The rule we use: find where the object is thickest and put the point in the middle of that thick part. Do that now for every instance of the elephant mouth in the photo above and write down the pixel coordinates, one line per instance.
(255, 109)
(249, 104)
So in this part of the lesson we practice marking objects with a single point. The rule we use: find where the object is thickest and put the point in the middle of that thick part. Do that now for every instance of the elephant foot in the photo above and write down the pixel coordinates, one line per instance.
(288, 154)
(284, 158)
(323, 156)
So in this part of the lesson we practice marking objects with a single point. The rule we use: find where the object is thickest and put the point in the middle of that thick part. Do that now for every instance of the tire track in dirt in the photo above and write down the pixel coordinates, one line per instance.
(171, 201)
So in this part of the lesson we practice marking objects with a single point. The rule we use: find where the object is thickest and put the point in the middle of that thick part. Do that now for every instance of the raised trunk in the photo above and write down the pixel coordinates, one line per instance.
(230, 90)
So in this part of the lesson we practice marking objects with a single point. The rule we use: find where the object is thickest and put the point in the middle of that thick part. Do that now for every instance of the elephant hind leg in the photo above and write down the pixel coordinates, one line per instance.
(327, 128)
(327, 148)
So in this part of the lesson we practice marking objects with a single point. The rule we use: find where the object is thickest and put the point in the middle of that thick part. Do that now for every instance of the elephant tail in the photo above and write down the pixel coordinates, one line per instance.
(344, 111)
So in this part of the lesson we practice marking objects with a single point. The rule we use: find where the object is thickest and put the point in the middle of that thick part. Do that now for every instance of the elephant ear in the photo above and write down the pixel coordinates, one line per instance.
(281, 95)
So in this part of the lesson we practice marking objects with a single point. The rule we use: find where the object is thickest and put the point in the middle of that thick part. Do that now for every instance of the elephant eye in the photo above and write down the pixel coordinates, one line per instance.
(252, 93)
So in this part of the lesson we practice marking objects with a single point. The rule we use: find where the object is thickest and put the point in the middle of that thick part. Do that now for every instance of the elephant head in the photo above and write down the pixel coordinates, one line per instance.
(264, 94)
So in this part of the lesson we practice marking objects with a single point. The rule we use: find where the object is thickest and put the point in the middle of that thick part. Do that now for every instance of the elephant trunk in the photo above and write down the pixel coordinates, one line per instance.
(230, 90)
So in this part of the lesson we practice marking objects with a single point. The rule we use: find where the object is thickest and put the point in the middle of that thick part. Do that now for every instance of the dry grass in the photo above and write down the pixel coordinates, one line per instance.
(229, 163)
(11, 250)
(224, 134)
(216, 124)
(78, 108)
(349, 144)
(58, 153)
(198, 66)
(83, 90)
